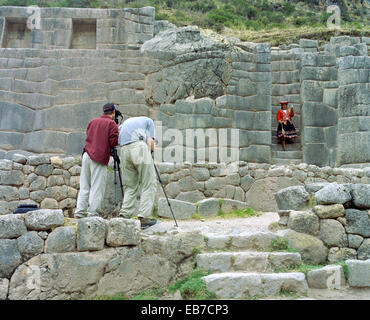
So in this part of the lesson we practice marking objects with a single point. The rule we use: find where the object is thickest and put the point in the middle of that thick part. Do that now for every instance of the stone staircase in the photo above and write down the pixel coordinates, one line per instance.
(293, 153)
(241, 266)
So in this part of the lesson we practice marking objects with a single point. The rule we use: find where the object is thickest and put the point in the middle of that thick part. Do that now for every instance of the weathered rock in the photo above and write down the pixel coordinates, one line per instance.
(11, 226)
(303, 221)
(10, 257)
(8, 193)
(234, 285)
(339, 254)
(61, 239)
(312, 249)
(91, 234)
(44, 219)
(333, 193)
(328, 277)
(49, 203)
(200, 174)
(357, 222)
(181, 209)
(190, 196)
(4, 287)
(281, 260)
(363, 252)
(358, 273)
(311, 188)
(274, 283)
(260, 196)
(208, 207)
(354, 241)
(292, 198)
(218, 241)
(332, 233)
(329, 211)
(361, 195)
(254, 241)
(228, 205)
(30, 245)
(123, 232)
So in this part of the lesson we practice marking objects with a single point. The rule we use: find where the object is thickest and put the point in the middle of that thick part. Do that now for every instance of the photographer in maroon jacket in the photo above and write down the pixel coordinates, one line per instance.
(101, 135)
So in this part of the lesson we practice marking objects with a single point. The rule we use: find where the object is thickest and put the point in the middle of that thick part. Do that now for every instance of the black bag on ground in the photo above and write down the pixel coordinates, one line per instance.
(23, 208)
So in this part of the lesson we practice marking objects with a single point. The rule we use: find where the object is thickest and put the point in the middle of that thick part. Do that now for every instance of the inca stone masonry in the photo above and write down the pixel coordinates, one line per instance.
(55, 79)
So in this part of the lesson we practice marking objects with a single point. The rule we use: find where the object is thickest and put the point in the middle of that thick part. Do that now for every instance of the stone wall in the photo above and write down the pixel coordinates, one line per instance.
(53, 182)
(44, 256)
(338, 217)
(182, 78)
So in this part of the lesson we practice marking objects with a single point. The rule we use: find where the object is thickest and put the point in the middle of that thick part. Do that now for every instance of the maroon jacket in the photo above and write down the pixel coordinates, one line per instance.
(101, 135)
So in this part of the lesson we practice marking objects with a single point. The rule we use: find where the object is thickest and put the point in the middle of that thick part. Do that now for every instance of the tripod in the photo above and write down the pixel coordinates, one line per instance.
(116, 168)
(164, 191)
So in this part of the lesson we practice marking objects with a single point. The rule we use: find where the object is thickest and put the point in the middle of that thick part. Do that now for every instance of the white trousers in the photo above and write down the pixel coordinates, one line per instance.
(92, 187)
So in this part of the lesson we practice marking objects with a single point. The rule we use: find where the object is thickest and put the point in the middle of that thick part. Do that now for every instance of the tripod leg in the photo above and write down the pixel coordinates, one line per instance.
(165, 194)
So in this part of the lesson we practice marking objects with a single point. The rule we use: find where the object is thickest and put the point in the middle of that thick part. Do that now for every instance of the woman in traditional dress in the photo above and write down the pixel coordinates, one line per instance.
(286, 130)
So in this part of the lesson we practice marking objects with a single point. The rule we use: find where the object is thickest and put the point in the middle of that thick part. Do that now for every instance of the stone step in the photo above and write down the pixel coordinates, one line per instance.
(285, 161)
(257, 241)
(248, 261)
(288, 154)
(238, 285)
(296, 146)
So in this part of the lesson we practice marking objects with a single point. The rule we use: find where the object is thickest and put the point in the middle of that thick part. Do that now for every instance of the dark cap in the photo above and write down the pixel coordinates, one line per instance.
(108, 107)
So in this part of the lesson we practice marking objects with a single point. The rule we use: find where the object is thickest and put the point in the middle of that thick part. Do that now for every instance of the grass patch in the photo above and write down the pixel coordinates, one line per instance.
(192, 286)
(238, 213)
(116, 296)
(344, 267)
(303, 267)
(152, 294)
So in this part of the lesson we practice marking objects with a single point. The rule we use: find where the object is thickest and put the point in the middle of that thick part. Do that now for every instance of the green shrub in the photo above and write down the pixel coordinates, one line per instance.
(279, 244)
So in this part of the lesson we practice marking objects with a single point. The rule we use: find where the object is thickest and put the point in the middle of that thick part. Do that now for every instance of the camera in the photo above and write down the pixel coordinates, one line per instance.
(118, 115)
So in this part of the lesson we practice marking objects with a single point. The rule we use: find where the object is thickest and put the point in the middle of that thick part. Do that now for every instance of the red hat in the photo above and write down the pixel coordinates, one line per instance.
(283, 102)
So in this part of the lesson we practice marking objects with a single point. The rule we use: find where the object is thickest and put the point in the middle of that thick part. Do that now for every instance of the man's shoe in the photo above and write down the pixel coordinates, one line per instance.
(146, 223)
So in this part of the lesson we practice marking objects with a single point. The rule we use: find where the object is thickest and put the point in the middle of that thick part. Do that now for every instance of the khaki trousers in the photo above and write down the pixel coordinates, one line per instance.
(138, 175)
(92, 187)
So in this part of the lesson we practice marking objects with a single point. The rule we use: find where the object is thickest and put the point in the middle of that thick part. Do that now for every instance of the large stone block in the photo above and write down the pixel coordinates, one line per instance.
(228, 205)
(16, 117)
(358, 273)
(180, 209)
(256, 153)
(311, 248)
(329, 211)
(44, 219)
(293, 198)
(29, 245)
(91, 234)
(328, 277)
(10, 257)
(304, 221)
(208, 207)
(123, 232)
(357, 222)
(12, 226)
(354, 147)
(333, 193)
(61, 239)
(363, 252)
(332, 233)
(317, 114)
(11, 178)
(361, 195)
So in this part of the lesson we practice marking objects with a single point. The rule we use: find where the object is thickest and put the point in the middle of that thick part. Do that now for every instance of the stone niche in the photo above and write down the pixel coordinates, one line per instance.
(16, 34)
(83, 34)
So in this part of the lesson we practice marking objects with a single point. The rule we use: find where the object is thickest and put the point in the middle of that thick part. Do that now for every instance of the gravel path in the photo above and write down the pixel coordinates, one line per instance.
(217, 226)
